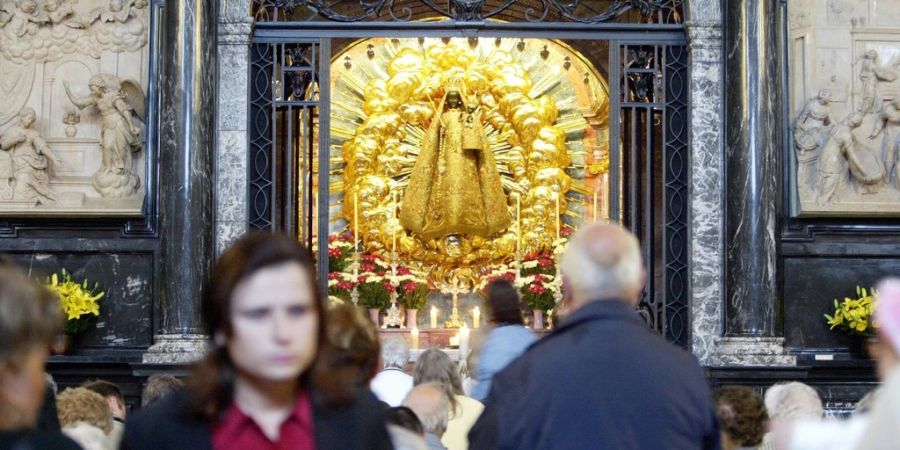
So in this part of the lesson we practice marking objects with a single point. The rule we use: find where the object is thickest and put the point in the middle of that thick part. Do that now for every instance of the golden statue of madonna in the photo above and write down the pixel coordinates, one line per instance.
(455, 187)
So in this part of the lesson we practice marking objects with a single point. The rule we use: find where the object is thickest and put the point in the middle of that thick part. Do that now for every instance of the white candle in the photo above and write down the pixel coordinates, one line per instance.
(557, 214)
(476, 317)
(518, 225)
(414, 335)
(463, 342)
(434, 315)
(355, 221)
(393, 229)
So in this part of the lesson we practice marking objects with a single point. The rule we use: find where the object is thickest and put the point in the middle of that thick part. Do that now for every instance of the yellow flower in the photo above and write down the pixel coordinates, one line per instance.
(75, 300)
(854, 314)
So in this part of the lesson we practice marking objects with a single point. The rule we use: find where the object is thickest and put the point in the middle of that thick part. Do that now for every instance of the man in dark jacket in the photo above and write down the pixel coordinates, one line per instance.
(602, 380)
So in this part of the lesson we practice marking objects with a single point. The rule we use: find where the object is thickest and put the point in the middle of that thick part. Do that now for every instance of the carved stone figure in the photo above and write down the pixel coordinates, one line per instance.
(810, 132)
(30, 154)
(120, 137)
(889, 122)
(870, 74)
(60, 11)
(840, 154)
(455, 187)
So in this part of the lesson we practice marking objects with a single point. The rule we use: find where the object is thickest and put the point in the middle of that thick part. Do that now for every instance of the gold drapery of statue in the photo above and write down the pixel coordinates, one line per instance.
(455, 187)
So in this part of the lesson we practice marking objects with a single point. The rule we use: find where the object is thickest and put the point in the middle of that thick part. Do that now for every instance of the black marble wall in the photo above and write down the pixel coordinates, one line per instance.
(126, 268)
(819, 267)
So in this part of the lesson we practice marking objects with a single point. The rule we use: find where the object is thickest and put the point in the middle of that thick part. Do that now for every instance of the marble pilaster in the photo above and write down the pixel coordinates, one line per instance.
(231, 152)
(187, 136)
(753, 134)
(705, 46)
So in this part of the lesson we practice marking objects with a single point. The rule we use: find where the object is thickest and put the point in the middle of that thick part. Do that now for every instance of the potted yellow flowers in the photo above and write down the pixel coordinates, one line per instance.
(853, 316)
(80, 304)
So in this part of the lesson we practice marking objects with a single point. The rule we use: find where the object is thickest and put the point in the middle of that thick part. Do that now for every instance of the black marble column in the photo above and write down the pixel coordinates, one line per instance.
(753, 136)
(187, 137)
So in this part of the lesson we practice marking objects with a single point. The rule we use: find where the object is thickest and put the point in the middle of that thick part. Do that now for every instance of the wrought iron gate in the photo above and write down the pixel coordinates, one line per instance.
(648, 79)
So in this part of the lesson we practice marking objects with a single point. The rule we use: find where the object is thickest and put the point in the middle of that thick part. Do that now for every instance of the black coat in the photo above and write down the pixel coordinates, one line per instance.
(602, 380)
(166, 425)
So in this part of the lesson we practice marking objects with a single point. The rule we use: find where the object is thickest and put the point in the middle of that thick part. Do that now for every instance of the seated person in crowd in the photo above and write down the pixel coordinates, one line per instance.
(353, 347)
(434, 366)
(506, 341)
(790, 401)
(116, 403)
(29, 319)
(113, 395)
(159, 387)
(392, 384)
(405, 429)
(742, 417)
(432, 406)
(85, 417)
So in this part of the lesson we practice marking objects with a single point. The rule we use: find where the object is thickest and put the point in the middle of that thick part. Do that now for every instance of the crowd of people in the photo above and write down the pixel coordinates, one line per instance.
(286, 371)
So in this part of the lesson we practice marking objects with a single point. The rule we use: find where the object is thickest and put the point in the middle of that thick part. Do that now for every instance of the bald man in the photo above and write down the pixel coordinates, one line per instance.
(602, 379)
(432, 406)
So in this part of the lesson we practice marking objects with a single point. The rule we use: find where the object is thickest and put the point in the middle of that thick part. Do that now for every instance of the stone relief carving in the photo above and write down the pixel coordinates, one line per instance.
(47, 30)
(116, 101)
(846, 106)
(26, 180)
(81, 68)
(856, 158)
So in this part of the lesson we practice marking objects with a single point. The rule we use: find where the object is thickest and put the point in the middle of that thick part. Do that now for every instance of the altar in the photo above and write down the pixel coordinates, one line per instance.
(456, 162)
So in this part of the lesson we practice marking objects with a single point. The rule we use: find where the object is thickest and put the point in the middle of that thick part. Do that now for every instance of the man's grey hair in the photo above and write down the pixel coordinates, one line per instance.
(594, 273)
(793, 400)
(434, 413)
(394, 352)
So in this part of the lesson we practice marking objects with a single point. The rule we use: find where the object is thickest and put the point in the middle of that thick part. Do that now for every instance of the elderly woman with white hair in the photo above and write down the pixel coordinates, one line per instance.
(790, 401)
(392, 384)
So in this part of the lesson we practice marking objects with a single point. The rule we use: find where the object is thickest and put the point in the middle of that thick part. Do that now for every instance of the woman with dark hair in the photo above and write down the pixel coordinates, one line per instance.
(506, 341)
(434, 366)
(264, 382)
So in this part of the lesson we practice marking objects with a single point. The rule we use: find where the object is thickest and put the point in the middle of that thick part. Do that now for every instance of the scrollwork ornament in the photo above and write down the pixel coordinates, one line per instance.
(457, 10)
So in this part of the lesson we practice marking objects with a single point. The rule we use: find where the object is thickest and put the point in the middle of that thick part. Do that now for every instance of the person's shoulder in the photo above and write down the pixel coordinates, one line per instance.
(164, 422)
(356, 423)
(37, 440)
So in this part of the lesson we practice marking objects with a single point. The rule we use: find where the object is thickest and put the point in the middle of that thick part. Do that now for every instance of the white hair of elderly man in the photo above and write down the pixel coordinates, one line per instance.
(430, 403)
(603, 262)
(793, 400)
(394, 352)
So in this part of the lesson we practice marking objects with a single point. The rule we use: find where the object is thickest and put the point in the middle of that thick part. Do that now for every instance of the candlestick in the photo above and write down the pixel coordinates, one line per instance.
(476, 317)
(356, 221)
(558, 219)
(595, 206)
(414, 335)
(518, 225)
(463, 342)
(393, 228)
(434, 316)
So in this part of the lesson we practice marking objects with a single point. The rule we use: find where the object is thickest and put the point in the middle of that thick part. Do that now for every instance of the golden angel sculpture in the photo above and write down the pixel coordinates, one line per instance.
(116, 100)
(455, 188)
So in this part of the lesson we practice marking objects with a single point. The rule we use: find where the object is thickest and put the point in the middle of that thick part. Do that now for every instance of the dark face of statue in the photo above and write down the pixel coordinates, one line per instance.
(454, 100)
